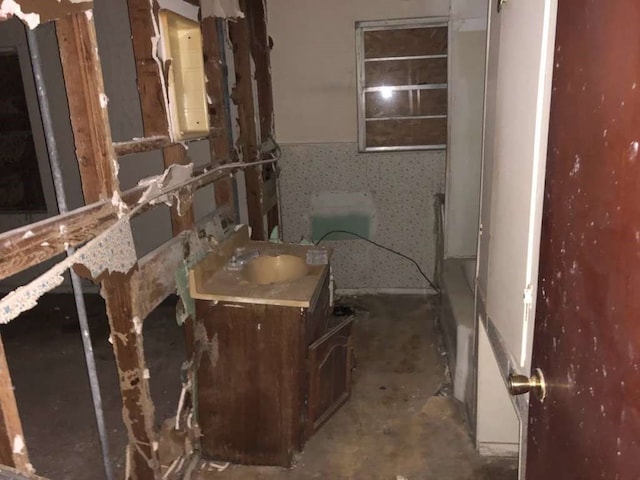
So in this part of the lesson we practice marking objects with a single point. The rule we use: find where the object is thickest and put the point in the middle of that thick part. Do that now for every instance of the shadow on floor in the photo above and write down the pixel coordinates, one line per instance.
(393, 426)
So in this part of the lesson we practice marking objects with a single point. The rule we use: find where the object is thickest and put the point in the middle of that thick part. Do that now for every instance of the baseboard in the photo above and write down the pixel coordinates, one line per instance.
(495, 449)
(383, 291)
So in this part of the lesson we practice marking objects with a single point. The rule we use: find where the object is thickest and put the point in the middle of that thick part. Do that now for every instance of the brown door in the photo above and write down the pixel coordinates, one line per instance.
(587, 333)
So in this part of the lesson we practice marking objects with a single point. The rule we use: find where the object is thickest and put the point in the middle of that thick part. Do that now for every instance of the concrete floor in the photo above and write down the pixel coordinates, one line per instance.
(394, 425)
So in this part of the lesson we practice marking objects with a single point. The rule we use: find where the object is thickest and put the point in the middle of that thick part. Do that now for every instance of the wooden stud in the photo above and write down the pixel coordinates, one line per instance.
(119, 293)
(98, 171)
(219, 135)
(10, 425)
(243, 97)
(87, 106)
(182, 214)
(146, 144)
(261, 53)
(149, 74)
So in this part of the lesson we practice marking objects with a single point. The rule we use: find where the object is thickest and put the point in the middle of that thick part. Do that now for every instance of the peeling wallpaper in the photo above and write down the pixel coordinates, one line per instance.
(403, 185)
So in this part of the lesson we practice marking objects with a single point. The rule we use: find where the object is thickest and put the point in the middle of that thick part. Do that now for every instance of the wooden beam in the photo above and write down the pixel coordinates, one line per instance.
(143, 20)
(10, 426)
(261, 53)
(182, 215)
(219, 120)
(98, 171)
(157, 274)
(119, 293)
(87, 106)
(141, 145)
(248, 144)
(47, 238)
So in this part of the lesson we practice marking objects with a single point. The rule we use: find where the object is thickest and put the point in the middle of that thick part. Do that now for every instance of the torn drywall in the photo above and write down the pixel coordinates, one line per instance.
(111, 251)
(9, 8)
(221, 8)
(173, 176)
(210, 234)
(34, 12)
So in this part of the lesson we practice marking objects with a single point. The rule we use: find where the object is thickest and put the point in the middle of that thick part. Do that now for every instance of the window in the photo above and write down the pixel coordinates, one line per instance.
(402, 85)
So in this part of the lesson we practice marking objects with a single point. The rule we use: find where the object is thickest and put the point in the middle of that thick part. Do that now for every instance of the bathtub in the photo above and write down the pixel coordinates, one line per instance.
(457, 322)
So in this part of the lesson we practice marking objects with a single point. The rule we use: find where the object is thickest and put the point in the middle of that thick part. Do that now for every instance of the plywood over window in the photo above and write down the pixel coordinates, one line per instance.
(402, 84)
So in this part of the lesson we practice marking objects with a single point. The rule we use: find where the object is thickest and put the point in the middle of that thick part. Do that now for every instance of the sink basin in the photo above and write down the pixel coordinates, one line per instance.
(267, 269)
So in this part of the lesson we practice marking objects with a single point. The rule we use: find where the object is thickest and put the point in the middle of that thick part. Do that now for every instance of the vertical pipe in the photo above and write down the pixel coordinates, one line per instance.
(54, 160)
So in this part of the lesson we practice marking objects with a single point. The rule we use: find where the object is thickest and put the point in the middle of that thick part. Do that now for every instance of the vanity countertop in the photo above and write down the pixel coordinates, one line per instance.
(209, 279)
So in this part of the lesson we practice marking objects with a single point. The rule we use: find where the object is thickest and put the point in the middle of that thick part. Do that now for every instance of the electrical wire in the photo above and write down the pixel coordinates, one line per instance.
(424, 275)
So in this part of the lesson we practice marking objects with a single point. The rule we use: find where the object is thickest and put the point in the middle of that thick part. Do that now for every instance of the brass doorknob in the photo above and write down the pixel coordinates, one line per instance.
(521, 384)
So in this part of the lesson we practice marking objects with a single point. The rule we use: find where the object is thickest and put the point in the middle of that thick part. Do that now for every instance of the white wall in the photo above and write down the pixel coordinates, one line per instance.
(314, 83)
(313, 62)
(468, 29)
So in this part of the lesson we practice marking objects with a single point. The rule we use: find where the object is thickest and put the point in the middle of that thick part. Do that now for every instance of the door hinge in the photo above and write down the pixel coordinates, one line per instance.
(527, 296)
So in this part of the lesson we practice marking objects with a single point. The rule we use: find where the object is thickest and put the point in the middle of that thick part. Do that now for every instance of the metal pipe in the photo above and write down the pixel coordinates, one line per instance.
(54, 160)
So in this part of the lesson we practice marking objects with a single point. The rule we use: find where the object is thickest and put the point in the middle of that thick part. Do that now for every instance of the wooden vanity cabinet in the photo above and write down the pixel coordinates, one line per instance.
(268, 376)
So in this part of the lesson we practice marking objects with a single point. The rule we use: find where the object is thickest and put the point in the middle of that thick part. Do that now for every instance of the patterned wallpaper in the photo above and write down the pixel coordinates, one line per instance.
(403, 185)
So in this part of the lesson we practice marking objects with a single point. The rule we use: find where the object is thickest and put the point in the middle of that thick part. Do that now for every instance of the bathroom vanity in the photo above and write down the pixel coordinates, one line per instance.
(273, 364)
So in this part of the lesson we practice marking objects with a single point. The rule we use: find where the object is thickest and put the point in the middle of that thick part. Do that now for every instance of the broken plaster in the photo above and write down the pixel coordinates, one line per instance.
(35, 12)
(174, 175)
(9, 8)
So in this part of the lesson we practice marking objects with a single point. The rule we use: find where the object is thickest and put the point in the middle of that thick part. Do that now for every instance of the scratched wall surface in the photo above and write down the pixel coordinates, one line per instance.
(587, 335)
(402, 184)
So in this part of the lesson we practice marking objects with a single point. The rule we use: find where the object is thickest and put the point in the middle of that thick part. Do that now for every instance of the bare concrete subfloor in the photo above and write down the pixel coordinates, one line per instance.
(394, 426)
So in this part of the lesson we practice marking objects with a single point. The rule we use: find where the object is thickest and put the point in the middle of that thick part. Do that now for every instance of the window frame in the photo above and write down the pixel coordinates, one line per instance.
(364, 26)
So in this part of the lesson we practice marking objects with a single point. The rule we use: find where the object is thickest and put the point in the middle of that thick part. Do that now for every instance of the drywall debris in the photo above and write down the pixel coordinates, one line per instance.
(221, 8)
(28, 234)
(18, 444)
(173, 176)
(33, 13)
(111, 251)
(10, 8)
(114, 251)
(116, 201)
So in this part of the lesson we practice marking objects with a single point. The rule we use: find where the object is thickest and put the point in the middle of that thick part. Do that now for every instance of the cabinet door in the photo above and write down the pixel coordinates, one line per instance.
(329, 374)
